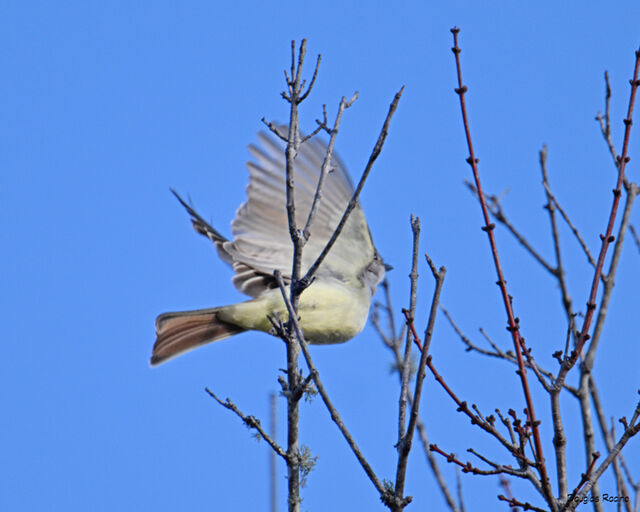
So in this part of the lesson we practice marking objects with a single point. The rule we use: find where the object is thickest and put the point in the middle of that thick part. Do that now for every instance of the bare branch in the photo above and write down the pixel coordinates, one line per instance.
(274, 129)
(553, 205)
(486, 425)
(306, 280)
(498, 469)
(495, 208)
(631, 429)
(468, 343)
(335, 416)
(559, 444)
(551, 208)
(608, 237)
(509, 356)
(513, 502)
(314, 132)
(465, 467)
(585, 476)
(631, 192)
(513, 324)
(422, 433)
(251, 422)
(574, 230)
(393, 343)
(313, 79)
(617, 462)
(404, 445)
(531, 363)
(406, 363)
(295, 389)
(324, 170)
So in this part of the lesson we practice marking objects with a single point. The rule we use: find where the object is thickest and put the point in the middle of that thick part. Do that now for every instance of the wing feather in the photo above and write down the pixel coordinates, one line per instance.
(261, 241)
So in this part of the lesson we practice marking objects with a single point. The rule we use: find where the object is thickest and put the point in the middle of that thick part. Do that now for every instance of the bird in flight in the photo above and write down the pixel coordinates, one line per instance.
(334, 307)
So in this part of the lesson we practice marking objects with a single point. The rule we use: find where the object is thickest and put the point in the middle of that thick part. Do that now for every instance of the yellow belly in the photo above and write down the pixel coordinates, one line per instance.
(330, 312)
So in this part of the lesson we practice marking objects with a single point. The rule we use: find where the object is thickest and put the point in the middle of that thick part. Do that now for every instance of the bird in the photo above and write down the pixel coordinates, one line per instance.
(335, 306)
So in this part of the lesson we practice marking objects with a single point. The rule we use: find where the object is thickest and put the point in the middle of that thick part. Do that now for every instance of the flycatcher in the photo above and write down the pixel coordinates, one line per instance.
(334, 308)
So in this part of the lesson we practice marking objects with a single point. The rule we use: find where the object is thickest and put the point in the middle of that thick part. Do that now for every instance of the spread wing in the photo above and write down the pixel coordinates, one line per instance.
(260, 229)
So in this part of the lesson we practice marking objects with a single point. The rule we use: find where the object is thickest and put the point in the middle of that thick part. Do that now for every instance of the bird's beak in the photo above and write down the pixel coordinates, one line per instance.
(388, 267)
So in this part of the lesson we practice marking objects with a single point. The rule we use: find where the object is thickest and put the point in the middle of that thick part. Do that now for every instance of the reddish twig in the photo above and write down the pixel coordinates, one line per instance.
(393, 342)
(515, 503)
(513, 324)
(416, 338)
(466, 467)
(488, 424)
(498, 469)
(608, 237)
(584, 477)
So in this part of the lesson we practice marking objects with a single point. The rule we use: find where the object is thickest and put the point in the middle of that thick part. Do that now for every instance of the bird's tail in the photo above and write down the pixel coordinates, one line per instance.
(182, 331)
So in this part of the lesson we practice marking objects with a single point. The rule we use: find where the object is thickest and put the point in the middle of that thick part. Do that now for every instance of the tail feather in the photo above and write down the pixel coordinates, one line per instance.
(180, 332)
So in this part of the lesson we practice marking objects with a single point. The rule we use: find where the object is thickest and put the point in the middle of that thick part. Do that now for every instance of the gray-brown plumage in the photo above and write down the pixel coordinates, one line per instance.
(335, 307)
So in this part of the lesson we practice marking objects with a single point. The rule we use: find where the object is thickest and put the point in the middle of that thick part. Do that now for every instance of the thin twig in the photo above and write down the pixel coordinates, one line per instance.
(495, 208)
(608, 237)
(274, 129)
(584, 478)
(404, 445)
(605, 125)
(498, 469)
(406, 363)
(631, 193)
(553, 205)
(551, 208)
(251, 422)
(513, 502)
(324, 170)
(513, 325)
(498, 353)
(394, 346)
(433, 463)
(465, 467)
(486, 425)
(559, 444)
(620, 483)
(631, 429)
(635, 485)
(335, 416)
(306, 280)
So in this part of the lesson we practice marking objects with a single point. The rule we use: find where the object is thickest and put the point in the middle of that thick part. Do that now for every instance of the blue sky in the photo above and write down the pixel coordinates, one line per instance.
(105, 105)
